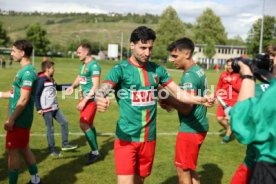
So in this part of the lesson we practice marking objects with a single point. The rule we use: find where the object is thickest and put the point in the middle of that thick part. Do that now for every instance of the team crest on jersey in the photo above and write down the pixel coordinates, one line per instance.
(95, 65)
(16, 77)
(143, 98)
(155, 76)
(12, 92)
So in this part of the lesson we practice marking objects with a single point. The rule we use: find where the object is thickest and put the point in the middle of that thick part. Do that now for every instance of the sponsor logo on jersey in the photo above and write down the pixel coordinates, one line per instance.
(27, 83)
(83, 80)
(187, 85)
(143, 98)
(96, 72)
(95, 65)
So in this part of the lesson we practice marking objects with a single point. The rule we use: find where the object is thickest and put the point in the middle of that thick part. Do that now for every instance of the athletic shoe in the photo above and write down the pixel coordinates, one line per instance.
(55, 153)
(225, 140)
(91, 158)
(69, 147)
(30, 182)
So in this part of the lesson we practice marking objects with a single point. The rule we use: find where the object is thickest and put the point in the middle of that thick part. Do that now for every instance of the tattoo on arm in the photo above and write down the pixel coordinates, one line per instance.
(104, 90)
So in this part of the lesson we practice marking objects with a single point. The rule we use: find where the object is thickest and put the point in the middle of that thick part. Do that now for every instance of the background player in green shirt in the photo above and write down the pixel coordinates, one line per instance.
(135, 82)
(20, 116)
(88, 80)
(193, 120)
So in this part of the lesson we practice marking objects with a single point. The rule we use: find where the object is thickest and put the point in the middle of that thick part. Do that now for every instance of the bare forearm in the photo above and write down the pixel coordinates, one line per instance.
(75, 83)
(185, 97)
(104, 90)
(20, 106)
(5, 94)
(247, 89)
(179, 106)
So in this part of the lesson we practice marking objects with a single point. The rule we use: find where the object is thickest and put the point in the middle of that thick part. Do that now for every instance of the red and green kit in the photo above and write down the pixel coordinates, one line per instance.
(136, 93)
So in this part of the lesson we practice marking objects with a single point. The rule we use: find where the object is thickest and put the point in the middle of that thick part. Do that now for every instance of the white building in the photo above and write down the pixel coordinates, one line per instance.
(223, 52)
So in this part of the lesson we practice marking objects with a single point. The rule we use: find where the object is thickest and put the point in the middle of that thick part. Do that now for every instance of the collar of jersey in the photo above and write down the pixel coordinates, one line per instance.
(131, 62)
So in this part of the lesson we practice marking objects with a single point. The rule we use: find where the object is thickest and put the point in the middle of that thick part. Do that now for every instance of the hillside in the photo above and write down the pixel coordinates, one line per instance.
(64, 29)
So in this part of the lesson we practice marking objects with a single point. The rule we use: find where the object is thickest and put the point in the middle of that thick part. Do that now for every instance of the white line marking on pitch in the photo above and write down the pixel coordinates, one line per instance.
(108, 134)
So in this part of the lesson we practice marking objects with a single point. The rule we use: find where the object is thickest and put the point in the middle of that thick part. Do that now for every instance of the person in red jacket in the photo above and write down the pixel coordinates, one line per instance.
(228, 88)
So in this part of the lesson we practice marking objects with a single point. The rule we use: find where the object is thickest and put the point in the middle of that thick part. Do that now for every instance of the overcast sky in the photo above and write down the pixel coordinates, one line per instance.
(237, 16)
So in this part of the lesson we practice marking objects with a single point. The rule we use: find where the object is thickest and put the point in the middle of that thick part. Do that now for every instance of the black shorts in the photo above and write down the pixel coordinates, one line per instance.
(263, 173)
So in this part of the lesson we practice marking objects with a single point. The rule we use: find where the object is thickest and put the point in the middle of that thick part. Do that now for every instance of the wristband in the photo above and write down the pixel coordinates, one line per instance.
(248, 77)
(1, 94)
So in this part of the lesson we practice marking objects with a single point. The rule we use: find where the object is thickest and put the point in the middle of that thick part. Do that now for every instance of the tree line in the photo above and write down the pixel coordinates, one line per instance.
(208, 30)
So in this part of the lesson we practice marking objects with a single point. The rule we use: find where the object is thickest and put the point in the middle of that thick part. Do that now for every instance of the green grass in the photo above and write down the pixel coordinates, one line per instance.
(217, 163)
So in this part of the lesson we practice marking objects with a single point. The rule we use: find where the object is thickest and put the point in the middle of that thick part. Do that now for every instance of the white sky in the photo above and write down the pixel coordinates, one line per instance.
(237, 16)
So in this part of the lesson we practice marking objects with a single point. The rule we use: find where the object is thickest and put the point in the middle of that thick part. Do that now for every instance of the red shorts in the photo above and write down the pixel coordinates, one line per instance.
(187, 149)
(18, 138)
(134, 157)
(241, 175)
(88, 113)
(220, 111)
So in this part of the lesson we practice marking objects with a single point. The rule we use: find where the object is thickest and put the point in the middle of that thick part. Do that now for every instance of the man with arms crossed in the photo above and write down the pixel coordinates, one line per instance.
(135, 82)
(20, 116)
(88, 80)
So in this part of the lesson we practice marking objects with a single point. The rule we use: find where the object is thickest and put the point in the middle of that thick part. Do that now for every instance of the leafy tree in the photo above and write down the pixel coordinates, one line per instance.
(73, 45)
(169, 28)
(210, 31)
(269, 34)
(209, 51)
(237, 40)
(209, 26)
(4, 39)
(37, 35)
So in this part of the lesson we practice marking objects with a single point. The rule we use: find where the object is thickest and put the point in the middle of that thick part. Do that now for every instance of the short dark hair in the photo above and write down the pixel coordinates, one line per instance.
(86, 46)
(229, 60)
(142, 33)
(181, 44)
(271, 50)
(46, 64)
(24, 45)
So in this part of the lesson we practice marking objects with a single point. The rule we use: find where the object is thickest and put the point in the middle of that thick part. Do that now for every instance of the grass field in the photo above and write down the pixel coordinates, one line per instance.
(216, 163)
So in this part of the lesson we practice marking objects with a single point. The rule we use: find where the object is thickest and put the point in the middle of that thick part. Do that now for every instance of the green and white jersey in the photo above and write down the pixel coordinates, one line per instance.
(260, 89)
(194, 81)
(136, 93)
(26, 78)
(250, 150)
(87, 72)
(253, 122)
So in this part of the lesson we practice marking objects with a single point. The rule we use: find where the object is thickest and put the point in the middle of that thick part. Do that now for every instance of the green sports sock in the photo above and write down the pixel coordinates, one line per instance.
(91, 138)
(95, 136)
(33, 169)
(13, 176)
